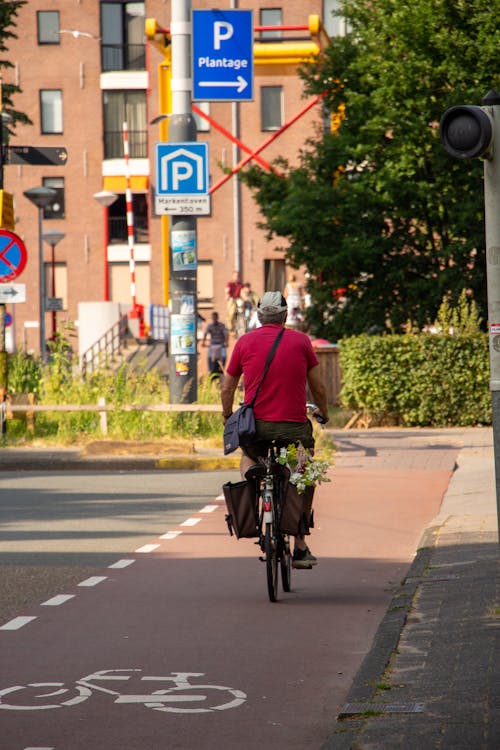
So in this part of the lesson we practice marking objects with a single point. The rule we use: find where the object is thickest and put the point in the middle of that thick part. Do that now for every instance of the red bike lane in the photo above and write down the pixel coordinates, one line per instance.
(178, 646)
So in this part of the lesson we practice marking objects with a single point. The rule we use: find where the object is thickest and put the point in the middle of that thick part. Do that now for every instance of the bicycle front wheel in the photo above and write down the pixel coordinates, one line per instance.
(271, 563)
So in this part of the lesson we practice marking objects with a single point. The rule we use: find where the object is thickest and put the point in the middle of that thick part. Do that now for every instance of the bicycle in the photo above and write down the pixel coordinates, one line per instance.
(274, 543)
(273, 540)
(38, 696)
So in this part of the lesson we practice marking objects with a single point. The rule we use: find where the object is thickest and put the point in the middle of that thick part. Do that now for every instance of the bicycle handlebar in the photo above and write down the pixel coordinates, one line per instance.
(318, 417)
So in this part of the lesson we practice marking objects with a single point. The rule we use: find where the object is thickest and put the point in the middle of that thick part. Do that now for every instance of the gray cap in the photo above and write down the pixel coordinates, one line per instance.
(272, 302)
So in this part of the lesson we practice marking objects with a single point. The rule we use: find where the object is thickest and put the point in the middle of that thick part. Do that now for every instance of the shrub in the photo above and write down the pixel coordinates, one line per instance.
(418, 380)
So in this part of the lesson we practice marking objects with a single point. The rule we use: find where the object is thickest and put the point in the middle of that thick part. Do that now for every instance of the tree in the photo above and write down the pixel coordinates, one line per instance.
(8, 14)
(377, 209)
(9, 10)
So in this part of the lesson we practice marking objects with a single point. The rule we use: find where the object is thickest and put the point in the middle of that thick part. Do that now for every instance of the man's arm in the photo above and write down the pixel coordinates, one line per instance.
(228, 388)
(318, 391)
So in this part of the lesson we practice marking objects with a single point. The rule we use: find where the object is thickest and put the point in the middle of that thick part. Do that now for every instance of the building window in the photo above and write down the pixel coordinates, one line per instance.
(205, 281)
(51, 112)
(271, 107)
(202, 125)
(55, 210)
(117, 218)
(120, 286)
(58, 273)
(47, 22)
(120, 107)
(335, 24)
(274, 274)
(271, 17)
(122, 36)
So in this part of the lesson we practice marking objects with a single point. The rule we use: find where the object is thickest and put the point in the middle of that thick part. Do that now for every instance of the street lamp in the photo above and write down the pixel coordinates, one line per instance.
(52, 238)
(105, 199)
(40, 197)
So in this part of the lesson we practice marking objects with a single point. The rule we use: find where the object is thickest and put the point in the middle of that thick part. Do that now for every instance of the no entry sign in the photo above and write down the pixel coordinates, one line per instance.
(13, 255)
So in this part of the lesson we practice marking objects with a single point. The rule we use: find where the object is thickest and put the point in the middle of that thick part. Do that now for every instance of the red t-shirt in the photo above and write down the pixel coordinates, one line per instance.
(282, 395)
(234, 288)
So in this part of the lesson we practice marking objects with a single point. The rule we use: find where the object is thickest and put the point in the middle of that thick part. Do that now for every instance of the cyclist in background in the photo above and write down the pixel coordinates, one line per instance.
(280, 409)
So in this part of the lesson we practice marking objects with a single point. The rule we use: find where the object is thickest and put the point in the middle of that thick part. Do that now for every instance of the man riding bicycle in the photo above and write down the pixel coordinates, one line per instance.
(280, 409)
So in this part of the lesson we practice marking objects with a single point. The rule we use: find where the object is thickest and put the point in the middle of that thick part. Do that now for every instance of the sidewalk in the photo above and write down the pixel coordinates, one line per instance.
(432, 677)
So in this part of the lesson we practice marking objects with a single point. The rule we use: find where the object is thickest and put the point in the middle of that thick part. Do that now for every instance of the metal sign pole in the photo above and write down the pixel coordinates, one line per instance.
(183, 370)
(492, 232)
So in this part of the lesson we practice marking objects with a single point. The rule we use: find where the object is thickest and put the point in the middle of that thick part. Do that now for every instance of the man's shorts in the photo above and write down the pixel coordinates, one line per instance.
(283, 433)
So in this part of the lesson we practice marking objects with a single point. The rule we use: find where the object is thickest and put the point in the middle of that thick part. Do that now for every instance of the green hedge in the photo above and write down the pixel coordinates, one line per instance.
(417, 380)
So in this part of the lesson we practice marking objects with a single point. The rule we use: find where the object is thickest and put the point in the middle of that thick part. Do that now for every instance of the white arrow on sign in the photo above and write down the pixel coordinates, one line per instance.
(240, 84)
(12, 293)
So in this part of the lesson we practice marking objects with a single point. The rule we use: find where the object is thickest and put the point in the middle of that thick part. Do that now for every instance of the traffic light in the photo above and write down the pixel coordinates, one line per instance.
(467, 131)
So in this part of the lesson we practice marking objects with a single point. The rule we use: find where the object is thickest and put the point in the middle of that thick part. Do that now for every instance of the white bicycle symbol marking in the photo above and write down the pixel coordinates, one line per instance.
(47, 695)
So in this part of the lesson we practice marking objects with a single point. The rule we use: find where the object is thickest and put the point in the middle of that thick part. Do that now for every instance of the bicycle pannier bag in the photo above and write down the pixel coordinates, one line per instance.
(297, 517)
(242, 512)
(239, 428)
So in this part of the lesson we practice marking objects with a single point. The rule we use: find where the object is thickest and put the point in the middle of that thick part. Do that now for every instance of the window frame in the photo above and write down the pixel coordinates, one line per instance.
(56, 32)
(43, 117)
(271, 126)
(48, 212)
(269, 35)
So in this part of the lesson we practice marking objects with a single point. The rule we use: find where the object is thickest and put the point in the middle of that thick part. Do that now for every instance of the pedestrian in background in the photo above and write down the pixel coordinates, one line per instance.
(218, 336)
(233, 290)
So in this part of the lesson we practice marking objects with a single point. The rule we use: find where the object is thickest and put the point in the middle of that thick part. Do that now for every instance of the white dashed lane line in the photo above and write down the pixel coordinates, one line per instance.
(93, 581)
(147, 548)
(121, 564)
(16, 623)
(171, 534)
(55, 601)
(191, 522)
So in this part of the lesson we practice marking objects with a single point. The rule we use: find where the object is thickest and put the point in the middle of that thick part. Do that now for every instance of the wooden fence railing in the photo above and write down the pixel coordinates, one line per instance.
(28, 411)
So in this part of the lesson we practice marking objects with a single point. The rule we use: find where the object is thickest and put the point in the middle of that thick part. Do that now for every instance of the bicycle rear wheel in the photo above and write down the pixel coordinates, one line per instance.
(271, 562)
(285, 562)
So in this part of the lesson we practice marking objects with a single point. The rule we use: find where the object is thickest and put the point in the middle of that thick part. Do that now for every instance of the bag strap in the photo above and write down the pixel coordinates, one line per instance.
(269, 359)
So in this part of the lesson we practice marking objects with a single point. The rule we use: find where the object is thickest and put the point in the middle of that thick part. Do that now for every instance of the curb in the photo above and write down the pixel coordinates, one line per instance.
(47, 461)
(372, 669)
(186, 463)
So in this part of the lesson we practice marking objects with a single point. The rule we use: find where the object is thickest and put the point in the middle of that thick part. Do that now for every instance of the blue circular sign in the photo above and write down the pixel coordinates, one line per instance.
(13, 255)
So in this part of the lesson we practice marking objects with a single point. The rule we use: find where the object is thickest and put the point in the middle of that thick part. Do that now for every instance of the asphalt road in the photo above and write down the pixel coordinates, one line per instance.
(57, 528)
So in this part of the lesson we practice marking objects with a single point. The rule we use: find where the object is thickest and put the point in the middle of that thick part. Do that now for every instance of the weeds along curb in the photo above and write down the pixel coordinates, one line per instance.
(200, 464)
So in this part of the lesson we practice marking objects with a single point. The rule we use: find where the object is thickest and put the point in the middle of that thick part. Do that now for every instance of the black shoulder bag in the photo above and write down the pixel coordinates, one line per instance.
(240, 426)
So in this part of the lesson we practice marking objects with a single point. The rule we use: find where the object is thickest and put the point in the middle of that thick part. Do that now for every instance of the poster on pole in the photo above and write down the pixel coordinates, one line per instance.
(182, 334)
(184, 250)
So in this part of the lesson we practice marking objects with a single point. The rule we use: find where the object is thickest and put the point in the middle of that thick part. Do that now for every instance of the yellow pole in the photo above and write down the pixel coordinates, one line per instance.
(165, 103)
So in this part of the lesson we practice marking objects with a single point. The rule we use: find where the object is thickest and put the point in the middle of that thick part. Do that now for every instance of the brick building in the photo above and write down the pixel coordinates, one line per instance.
(84, 67)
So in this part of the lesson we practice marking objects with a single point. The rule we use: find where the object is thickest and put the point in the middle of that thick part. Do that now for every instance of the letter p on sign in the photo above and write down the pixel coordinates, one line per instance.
(222, 32)
(181, 170)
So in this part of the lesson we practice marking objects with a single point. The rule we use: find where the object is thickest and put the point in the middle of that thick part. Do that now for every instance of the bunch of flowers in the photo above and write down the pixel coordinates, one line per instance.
(305, 471)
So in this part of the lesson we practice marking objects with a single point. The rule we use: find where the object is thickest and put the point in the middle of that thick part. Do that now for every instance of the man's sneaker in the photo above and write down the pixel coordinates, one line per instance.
(303, 558)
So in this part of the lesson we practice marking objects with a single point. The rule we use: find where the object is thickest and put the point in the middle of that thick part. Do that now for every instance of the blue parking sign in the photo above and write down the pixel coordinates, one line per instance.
(182, 168)
(222, 55)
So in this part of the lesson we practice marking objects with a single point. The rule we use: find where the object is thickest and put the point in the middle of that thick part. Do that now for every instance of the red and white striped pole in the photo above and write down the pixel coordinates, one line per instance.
(130, 220)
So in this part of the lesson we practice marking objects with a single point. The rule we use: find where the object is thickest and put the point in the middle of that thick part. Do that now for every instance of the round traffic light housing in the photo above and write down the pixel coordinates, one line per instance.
(466, 131)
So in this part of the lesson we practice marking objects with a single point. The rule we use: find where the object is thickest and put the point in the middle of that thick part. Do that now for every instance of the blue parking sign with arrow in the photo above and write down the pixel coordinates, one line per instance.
(222, 55)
